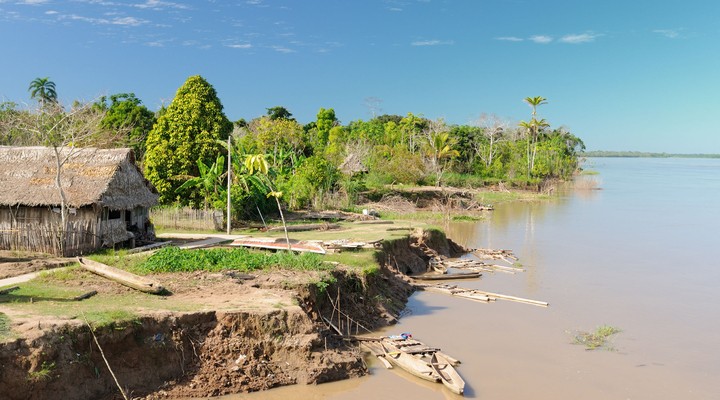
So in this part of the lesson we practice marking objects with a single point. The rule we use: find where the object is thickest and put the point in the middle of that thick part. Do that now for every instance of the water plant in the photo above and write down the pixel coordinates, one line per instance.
(597, 339)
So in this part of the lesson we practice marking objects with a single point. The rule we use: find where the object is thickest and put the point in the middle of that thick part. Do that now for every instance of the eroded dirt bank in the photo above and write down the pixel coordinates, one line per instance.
(221, 351)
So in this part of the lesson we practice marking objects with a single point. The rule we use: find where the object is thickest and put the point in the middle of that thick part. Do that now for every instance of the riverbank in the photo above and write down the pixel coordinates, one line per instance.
(215, 334)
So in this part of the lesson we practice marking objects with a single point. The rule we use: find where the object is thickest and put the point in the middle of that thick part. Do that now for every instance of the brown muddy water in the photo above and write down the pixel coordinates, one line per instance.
(642, 254)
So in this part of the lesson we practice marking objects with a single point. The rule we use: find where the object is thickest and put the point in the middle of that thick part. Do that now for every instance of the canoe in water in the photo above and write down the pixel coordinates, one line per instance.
(448, 375)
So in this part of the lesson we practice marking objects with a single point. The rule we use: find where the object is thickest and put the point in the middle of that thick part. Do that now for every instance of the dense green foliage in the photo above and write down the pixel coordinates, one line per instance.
(126, 113)
(187, 133)
(323, 163)
(174, 259)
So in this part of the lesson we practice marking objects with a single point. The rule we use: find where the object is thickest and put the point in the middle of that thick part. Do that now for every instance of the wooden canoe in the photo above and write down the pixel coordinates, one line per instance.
(448, 375)
(443, 277)
(279, 244)
(409, 363)
(123, 277)
(378, 352)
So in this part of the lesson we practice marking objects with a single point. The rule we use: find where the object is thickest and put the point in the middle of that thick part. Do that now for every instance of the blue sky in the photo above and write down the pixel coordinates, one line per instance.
(622, 75)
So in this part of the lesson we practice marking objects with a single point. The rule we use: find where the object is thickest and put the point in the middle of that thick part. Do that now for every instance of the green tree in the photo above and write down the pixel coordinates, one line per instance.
(533, 128)
(279, 112)
(186, 133)
(209, 182)
(326, 120)
(126, 112)
(439, 148)
(43, 90)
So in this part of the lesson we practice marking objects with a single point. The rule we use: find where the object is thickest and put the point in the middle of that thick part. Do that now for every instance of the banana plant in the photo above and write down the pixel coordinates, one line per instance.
(210, 180)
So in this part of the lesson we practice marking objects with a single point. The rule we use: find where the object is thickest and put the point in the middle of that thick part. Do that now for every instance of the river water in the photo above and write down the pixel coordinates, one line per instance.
(641, 254)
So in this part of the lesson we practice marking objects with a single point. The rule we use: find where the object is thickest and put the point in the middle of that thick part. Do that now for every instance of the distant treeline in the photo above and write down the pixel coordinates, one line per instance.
(602, 153)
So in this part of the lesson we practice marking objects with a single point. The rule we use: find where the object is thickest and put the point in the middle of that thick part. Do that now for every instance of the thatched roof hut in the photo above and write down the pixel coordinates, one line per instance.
(108, 199)
(106, 177)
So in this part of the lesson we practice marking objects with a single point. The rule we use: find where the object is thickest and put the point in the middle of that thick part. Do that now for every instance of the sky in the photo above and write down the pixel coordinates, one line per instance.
(634, 75)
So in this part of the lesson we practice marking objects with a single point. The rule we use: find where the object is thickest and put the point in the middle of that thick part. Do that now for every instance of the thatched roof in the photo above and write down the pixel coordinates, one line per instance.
(107, 177)
(353, 164)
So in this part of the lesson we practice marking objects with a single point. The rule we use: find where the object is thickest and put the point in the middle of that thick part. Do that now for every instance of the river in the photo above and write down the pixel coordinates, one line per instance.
(641, 254)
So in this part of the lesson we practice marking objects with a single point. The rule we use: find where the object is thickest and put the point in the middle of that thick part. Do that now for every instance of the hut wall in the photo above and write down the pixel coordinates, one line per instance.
(38, 229)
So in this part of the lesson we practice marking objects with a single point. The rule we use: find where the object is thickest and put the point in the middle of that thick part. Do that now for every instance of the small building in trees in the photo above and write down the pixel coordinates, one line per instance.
(107, 199)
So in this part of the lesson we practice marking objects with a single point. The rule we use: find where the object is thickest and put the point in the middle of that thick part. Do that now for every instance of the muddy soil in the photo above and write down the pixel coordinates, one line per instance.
(250, 334)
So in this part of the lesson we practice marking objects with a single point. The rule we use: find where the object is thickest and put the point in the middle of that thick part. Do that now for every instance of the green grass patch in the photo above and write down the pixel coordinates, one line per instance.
(120, 259)
(4, 326)
(173, 259)
(589, 172)
(598, 339)
(42, 374)
(111, 318)
(358, 258)
(466, 218)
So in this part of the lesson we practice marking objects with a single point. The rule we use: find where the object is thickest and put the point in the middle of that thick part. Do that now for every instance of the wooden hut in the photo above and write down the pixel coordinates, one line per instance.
(107, 199)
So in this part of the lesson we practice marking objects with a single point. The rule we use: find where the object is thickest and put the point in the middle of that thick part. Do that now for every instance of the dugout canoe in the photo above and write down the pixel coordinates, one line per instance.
(123, 277)
(279, 244)
(447, 373)
(413, 365)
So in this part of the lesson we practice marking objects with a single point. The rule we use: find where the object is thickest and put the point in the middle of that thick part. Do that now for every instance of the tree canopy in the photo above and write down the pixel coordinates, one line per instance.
(187, 133)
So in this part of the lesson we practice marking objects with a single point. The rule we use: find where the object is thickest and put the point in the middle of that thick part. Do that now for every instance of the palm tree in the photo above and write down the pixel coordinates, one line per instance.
(534, 102)
(533, 127)
(43, 89)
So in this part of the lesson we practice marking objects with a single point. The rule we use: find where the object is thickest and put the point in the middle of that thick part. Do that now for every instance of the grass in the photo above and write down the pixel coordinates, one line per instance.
(4, 326)
(598, 339)
(44, 373)
(50, 297)
(173, 259)
(120, 259)
(589, 172)
(111, 318)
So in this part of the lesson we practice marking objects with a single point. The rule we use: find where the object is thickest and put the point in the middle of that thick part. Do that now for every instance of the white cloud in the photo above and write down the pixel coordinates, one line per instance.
(432, 43)
(159, 5)
(542, 39)
(131, 21)
(239, 46)
(668, 33)
(510, 39)
(51, 12)
(32, 2)
(579, 38)
(396, 9)
(282, 49)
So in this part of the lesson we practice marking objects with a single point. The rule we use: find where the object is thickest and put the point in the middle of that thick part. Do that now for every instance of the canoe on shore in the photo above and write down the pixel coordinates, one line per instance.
(444, 277)
(279, 244)
(409, 363)
(448, 375)
(123, 277)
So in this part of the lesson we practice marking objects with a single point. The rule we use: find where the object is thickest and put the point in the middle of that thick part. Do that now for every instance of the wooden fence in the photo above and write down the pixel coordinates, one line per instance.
(186, 219)
(81, 237)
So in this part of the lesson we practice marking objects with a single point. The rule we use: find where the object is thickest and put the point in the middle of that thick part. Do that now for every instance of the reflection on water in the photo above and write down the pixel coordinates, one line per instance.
(640, 254)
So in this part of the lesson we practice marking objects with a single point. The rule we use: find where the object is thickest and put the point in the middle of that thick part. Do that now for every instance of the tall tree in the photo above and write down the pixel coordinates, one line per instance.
(43, 90)
(186, 133)
(439, 148)
(126, 112)
(533, 128)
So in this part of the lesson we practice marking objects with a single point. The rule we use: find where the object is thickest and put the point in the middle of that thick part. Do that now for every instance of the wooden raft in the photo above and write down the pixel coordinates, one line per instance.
(123, 277)
(476, 295)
